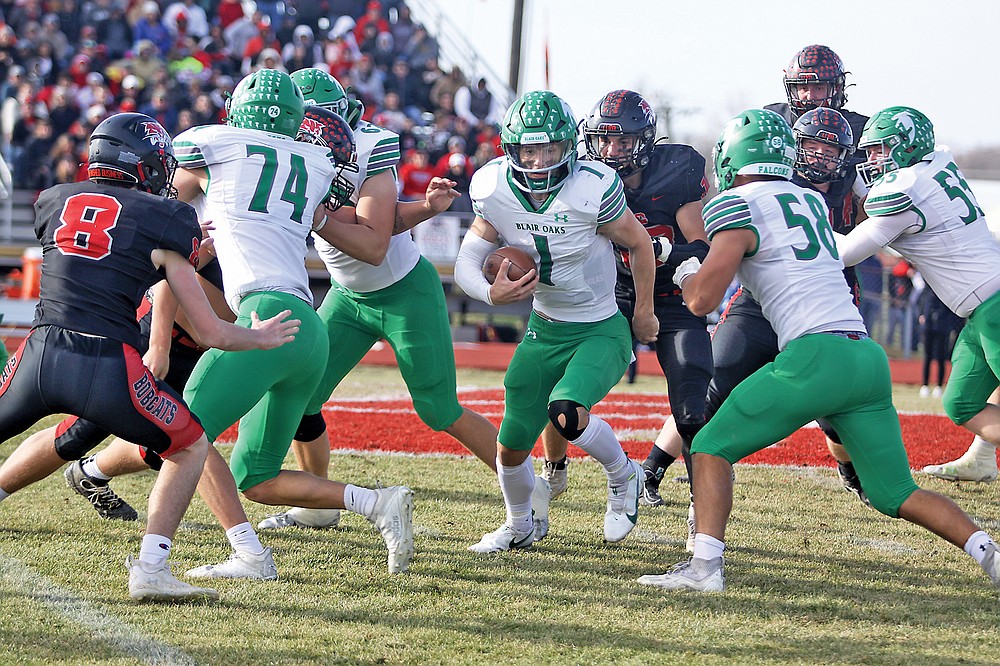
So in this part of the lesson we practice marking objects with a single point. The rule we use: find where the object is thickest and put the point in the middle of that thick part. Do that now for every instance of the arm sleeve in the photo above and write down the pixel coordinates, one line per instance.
(874, 234)
(469, 266)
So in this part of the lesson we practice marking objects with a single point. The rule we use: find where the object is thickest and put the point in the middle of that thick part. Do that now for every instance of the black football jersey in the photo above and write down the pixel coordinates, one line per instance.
(96, 244)
(675, 176)
(855, 120)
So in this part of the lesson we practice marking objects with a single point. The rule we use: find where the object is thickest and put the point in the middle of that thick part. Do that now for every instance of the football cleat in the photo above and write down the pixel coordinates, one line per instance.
(694, 574)
(965, 469)
(540, 498)
(240, 565)
(852, 484)
(149, 584)
(302, 517)
(623, 505)
(394, 519)
(650, 490)
(503, 539)
(556, 474)
(104, 500)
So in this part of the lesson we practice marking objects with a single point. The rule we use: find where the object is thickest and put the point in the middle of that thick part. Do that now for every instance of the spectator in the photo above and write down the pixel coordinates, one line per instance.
(402, 81)
(391, 117)
(421, 48)
(900, 288)
(368, 82)
(366, 42)
(62, 111)
(872, 285)
(402, 28)
(455, 146)
(115, 33)
(34, 170)
(384, 51)
(477, 105)
(264, 39)
(204, 111)
(194, 16)
(303, 38)
(239, 33)
(447, 85)
(414, 175)
(939, 324)
(24, 13)
(460, 171)
(270, 59)
(160, 110)
(53, 36)
(95, 92)
(150, 27)
(373, 16)
(228, 11)
(69, 18)
(341, 51)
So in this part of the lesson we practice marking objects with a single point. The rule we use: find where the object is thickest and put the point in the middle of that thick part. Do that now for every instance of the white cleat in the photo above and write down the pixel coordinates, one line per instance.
(240, 565)
(556, 477)
(301, 517)
(991, 563)
(394, 519)
(623, 505)
(540, 498)
(146, 584)
(502, 540)
(965, 469)
(694, 574)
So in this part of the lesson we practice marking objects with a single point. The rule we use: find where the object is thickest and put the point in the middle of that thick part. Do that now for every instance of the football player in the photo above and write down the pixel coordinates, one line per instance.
(664, 185)
(105, 242)
(382, 288)
(921, 206)
(565, 213)
(263, 198)
(776, 237)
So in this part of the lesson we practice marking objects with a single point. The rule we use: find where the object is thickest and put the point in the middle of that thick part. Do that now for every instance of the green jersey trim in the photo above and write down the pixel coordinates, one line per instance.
(525, 201)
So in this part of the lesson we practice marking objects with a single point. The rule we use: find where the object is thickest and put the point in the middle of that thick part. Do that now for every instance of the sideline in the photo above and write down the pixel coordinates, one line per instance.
(112, 630)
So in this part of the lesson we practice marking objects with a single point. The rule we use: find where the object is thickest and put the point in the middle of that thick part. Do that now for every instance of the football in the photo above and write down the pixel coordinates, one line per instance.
(520, 263)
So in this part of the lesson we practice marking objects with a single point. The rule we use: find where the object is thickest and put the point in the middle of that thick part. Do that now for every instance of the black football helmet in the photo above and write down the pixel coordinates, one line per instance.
(133, 150)
(325, 128)
(816, 64)
(826, 126)
(622, 113)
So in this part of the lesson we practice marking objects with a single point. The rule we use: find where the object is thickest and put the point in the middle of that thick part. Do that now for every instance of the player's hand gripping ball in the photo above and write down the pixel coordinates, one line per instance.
(520, 263)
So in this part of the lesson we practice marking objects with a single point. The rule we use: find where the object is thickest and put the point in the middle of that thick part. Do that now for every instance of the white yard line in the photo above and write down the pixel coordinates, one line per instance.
(112, 630)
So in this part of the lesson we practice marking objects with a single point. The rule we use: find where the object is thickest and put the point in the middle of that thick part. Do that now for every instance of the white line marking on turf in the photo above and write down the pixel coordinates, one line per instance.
(118, 635)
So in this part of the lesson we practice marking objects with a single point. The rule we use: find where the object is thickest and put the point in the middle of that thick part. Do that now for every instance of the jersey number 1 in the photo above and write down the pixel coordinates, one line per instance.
(87, 220)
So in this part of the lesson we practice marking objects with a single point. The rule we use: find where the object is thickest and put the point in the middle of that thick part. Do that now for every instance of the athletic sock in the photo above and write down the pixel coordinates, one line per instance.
(707, 547)
(976, 545)
(360, 500)
(982, 451)
(517, 483)
(599, 441)
(154, 551)
(244, 539)
(91, 469)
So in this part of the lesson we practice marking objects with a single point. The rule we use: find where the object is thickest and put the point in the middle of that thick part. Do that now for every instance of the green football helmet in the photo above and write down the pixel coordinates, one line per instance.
(321, 89)
(266, 100)
(757, 142)
(905, 135)
(534, 121)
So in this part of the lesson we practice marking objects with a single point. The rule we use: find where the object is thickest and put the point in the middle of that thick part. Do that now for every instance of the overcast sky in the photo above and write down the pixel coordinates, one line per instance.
(712, 59)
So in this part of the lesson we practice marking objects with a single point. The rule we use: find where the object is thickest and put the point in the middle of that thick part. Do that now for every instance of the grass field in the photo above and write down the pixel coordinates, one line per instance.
(814, 577)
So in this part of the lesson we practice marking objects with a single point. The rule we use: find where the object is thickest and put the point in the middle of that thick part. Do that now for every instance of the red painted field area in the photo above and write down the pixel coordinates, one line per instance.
(393, 426)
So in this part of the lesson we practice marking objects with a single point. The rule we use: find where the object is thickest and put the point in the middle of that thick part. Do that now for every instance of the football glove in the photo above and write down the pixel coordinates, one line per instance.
(686, 269)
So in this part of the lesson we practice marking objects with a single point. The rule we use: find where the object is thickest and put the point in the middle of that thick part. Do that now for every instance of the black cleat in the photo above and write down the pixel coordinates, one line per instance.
(849, 477)
(107, 504)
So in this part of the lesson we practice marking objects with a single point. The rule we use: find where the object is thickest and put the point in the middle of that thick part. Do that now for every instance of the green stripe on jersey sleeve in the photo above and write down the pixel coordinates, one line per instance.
(384, 156)
(887, 204)
(613, 202)
(188, 154)
(726, 212)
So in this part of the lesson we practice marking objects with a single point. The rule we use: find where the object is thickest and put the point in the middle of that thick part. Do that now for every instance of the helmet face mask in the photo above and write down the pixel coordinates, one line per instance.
(320, 89)
(538, 135)
(757, 142)
(829, 127)
(621, 114)
(132, 150)
(903, 135)
(811, 67)
(266, 100)
(325, 128)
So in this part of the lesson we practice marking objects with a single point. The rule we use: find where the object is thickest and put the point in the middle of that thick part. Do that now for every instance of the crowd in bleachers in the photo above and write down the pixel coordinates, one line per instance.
(65, 65)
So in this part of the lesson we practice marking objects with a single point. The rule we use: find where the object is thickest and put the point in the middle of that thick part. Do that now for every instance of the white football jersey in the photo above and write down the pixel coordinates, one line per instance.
(263, 190)
(576, 265)
(378, 151)
(796, 273)
(953, 248)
